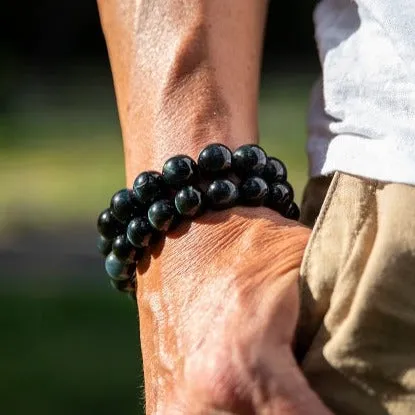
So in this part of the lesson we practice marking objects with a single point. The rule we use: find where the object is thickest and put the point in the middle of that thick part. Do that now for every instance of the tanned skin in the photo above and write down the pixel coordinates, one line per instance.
(219, 302)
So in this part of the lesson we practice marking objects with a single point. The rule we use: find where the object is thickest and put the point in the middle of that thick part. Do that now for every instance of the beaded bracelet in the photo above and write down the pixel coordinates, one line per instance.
(158, 202)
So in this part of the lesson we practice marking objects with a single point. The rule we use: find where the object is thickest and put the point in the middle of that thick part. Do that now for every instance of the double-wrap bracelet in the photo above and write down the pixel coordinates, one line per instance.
(159, 202)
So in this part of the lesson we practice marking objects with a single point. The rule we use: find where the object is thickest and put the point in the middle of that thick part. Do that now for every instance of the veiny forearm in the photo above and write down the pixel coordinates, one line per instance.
(185, 73)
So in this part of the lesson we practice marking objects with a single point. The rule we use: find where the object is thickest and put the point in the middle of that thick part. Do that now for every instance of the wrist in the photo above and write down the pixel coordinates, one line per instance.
(218, 236)
(185, 133)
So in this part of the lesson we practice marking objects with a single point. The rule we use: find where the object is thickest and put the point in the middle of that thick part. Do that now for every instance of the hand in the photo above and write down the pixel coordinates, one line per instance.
(218, 308)
(218, 305)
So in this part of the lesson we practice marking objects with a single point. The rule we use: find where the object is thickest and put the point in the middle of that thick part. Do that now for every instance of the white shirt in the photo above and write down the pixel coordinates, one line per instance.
(362, 115)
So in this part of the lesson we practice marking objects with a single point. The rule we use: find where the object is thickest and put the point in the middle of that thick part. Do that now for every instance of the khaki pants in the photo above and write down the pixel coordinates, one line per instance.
(356, 334)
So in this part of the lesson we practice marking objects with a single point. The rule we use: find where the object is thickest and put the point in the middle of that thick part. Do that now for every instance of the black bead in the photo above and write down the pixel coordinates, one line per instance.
(104, 245)
(139, 254)
(117, 269)
(148, 187)
(122, 205)
(124, 250)
(139, 232)
(280, 196)
(222, 194)
(293, 212)
(249, 160)
(254, 191)
(125, 286)
(161, 215)
(215, 160)
(108, 225)
(180, 171)
(139, 209)
(275, 171)
(188, 201)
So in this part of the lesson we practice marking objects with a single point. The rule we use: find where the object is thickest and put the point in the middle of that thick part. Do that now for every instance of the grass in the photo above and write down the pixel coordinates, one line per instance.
(69, 353)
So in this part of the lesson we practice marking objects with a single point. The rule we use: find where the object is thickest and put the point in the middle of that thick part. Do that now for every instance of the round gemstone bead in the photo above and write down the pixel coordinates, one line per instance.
(125, 286)
(293, 212)
(215, 160)
(161, 215)
(254, 190)
(139, 232)
(148, 187)
(249, 160)
(280, 196)
(104, 245)
(124, 250)
(275, 171)
(122, 205)
(188, 201)
(117, 269)
(108, 225)
(222, 194)
(179, 171)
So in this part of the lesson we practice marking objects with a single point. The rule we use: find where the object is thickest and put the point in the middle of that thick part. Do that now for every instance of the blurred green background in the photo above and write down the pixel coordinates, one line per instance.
(69, 344)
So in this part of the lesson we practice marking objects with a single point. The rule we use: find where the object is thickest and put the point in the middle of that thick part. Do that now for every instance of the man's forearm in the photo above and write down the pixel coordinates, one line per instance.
(185, 72)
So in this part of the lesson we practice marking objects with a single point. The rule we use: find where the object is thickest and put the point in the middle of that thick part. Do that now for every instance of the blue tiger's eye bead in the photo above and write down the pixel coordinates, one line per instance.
(124, 250)
(280, 196)
(124, 286)
(275, 171)
(253, 191)
(293, 212)
(122, 205)
(104, 245)
(118, 270)
(222, 194)
(188, 201)
(148, 187)
(161, 215)
(215, 160)
(139, 232)
(249, 160)
(179, 171)
(108, 225)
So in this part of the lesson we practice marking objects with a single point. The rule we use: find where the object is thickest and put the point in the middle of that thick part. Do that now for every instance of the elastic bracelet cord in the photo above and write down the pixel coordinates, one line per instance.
(184, 190)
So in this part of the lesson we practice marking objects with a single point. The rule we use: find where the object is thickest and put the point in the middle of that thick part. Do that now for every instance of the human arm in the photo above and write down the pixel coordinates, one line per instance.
(186, 74)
